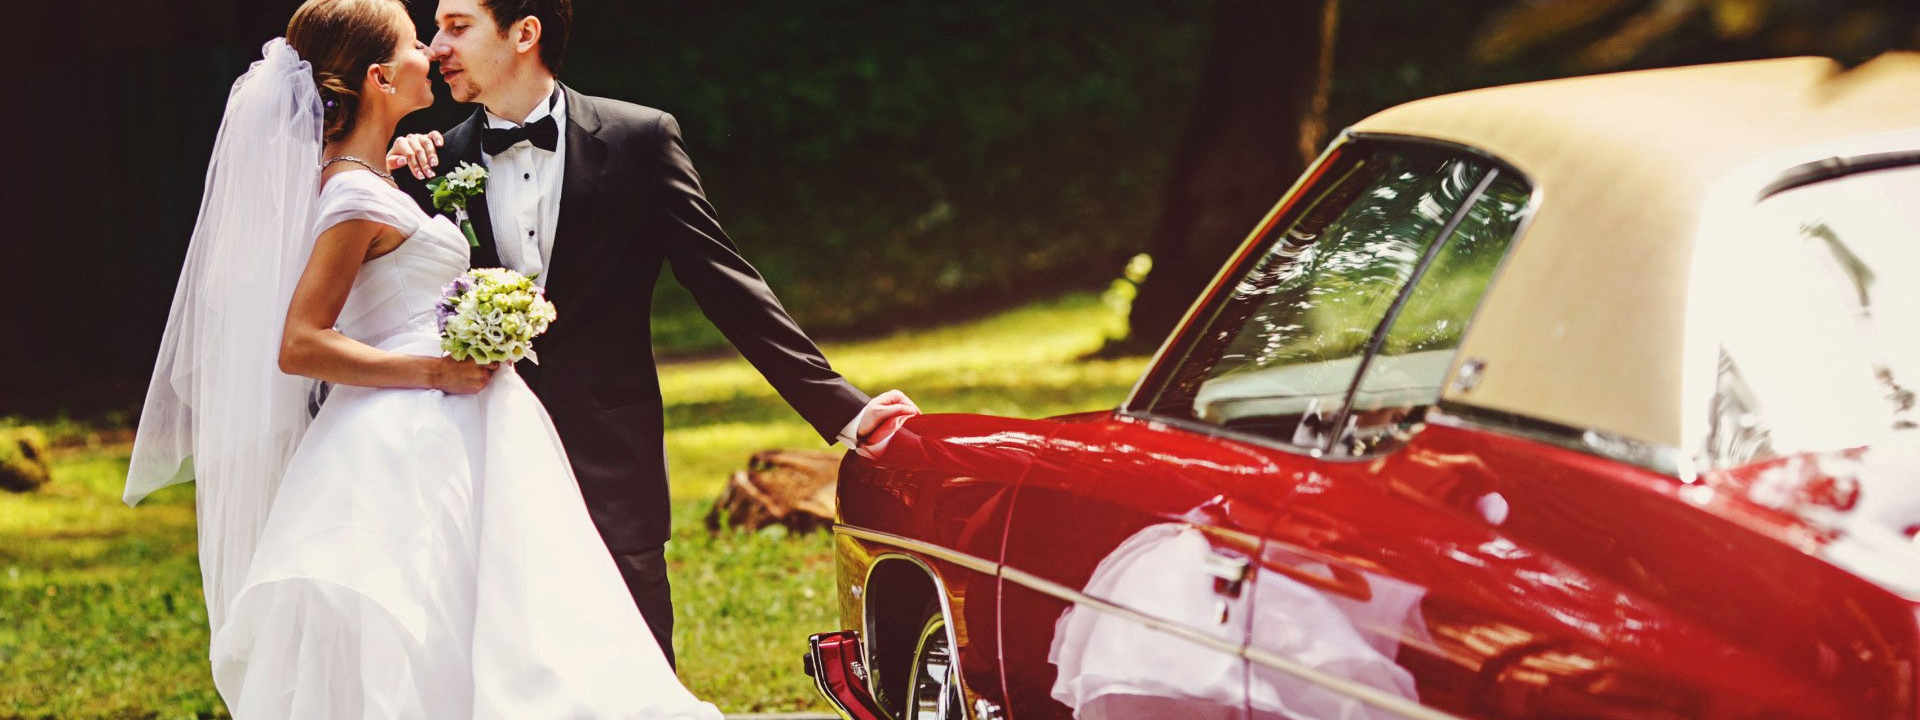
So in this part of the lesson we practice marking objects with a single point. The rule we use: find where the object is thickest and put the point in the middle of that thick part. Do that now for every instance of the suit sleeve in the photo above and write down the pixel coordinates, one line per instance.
(735, 298)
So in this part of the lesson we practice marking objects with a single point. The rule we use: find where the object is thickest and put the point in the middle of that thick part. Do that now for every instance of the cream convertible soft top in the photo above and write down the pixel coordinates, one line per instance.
(1584, 326)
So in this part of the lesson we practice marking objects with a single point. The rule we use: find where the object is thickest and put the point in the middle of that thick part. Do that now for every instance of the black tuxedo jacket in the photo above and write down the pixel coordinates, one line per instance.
(630, 201)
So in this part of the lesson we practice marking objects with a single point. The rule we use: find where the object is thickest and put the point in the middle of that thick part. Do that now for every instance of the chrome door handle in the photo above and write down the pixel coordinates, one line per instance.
(1229, 573)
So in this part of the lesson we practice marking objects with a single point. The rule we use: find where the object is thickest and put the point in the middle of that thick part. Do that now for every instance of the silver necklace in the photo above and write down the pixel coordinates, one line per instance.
(357, 161)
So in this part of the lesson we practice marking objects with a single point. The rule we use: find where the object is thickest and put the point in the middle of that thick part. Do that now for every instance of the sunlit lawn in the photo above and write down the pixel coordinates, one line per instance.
(101, 614)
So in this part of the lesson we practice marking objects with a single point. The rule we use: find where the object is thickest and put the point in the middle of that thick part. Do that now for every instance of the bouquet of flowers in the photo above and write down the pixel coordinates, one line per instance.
(492, 315)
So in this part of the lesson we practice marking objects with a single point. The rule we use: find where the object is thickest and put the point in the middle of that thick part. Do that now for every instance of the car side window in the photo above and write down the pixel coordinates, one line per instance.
(1403, 378)
(1814, 311)
(1280, 353)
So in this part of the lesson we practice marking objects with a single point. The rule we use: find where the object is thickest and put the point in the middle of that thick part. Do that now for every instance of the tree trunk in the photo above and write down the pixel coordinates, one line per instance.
(23, 459)
(788, 487)
(1260, 118)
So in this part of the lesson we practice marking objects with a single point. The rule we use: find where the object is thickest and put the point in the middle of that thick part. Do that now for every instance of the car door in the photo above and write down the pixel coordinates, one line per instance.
(1133, 558)
(1123, 583)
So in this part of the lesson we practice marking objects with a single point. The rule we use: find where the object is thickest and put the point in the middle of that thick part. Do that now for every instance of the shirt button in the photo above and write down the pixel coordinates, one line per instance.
(526, 176)
(529, 233)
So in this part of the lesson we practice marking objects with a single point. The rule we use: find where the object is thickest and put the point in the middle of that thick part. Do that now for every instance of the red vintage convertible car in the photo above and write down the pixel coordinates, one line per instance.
(1587, 399)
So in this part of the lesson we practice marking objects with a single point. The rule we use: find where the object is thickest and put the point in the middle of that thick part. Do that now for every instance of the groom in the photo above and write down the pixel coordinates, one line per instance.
(593, 195)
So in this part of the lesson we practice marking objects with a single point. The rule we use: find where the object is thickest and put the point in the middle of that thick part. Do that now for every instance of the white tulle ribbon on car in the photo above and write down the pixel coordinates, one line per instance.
(219, 411)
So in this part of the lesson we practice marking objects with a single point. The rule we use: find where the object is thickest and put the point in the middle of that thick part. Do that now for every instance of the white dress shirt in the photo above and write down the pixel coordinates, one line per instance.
(523, 193)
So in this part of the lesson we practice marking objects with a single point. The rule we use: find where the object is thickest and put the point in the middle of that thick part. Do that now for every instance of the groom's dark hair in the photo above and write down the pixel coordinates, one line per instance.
(555, 16)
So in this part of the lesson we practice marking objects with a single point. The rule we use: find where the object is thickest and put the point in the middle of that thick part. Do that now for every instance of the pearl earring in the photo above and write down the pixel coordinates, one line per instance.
(391, 89)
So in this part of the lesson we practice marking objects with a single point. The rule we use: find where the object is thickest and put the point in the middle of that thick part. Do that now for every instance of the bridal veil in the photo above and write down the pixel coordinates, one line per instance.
(219, 411)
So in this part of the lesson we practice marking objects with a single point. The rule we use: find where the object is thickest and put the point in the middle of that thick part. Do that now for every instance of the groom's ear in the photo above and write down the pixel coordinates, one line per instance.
(526, 34)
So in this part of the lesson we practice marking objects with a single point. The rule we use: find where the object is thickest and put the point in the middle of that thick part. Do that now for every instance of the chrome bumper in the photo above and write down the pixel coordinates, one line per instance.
(833, 661)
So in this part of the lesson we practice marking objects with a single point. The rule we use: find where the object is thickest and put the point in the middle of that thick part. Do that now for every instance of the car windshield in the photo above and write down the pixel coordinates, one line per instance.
(1341, 329)
(1820, 343)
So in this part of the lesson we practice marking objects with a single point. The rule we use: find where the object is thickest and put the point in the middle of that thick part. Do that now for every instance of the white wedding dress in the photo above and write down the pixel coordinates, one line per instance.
(429, 555)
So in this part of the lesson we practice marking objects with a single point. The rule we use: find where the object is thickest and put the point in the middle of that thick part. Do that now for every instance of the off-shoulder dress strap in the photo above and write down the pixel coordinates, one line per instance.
(359, 195)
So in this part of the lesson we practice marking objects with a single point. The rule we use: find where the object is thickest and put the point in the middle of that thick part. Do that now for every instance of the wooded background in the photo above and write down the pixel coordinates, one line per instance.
(885, 164)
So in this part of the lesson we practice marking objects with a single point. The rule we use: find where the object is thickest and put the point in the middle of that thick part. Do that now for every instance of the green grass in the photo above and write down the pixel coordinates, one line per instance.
(100, 608)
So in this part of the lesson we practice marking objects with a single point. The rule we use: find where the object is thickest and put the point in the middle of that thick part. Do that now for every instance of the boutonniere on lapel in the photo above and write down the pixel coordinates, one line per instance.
(452, 192)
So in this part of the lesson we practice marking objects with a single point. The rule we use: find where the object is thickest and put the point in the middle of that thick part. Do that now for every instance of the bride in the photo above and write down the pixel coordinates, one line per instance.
(419, 547)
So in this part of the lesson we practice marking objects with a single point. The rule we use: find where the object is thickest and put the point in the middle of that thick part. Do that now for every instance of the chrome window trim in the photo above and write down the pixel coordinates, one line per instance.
(1222, 433)
(1346, 136)
(1655, 457)
(1358, 691)
(1400, 299)
(1535, 197)
(1328, 453)
(1836, 167)
(1253, 236)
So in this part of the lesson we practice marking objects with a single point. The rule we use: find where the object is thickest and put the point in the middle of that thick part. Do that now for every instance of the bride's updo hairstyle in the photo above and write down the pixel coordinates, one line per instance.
(340, 38)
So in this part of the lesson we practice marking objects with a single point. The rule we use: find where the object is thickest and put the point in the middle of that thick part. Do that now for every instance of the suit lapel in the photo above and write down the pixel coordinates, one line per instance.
(585, 154)
(465, 146)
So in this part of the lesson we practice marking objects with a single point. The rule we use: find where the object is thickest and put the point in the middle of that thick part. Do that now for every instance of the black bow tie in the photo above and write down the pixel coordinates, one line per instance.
(543, 133)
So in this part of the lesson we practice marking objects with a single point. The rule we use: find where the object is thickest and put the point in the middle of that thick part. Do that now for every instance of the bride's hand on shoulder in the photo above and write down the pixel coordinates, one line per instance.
(418, 153)
(458, 377)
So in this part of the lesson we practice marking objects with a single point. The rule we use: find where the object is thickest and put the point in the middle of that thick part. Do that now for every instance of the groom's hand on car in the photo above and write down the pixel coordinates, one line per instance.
(417, 153)
(458, 377)
(883, 418)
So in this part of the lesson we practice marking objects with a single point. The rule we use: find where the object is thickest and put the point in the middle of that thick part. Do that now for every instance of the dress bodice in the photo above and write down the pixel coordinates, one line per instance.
(392, 302)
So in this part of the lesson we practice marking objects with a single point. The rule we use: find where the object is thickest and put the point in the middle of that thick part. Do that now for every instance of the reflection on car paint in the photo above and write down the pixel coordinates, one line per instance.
(1858, 509)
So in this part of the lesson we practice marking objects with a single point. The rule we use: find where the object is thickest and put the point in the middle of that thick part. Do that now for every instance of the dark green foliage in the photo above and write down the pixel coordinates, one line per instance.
(881, 162)
(875, 159)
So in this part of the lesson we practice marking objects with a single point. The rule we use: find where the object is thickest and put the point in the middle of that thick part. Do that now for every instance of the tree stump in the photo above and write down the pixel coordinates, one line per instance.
(794, 488)
(23, 459)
